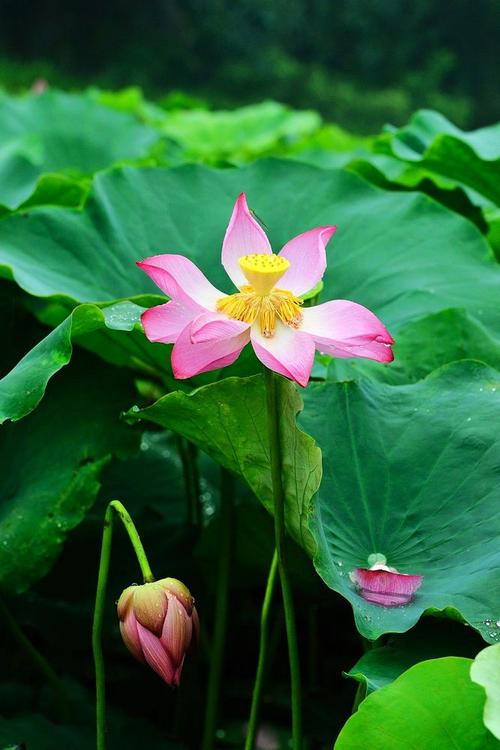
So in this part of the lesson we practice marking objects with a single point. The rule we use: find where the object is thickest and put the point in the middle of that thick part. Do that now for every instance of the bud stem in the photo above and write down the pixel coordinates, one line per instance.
(273, 422)
(102, 580)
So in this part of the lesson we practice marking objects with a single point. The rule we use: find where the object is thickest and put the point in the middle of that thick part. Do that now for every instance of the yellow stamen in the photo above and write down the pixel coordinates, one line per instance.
(250, 306)
(263, 270)
(260, 300)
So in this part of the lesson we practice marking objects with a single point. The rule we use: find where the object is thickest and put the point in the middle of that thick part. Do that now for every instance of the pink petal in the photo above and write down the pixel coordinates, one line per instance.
(288, 352)
(385, 588)
(130, 635)
(155, 654)
(307, 257)
(244, 236)
(345, 329)
(189, 359)
(181, 279)
(215, 326)
(177, 631)
(164, 323)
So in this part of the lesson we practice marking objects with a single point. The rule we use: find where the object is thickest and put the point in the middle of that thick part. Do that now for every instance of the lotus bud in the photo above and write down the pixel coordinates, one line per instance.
(159, 623)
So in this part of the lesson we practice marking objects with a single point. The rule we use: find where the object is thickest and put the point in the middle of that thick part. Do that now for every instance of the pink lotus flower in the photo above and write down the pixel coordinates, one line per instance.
(159, 623)
(383, 585)
(209, 329)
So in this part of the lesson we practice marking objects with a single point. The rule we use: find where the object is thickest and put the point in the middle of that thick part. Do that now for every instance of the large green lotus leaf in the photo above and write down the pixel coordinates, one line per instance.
(392, 252)
(114, 332)
(100, 330)
(238, 135)
(411, 472)
(472, 159)
(424, 345)
(56, 131)
(431, 639)
(460, 169)
(57, 189)
(235, 135)
(228, 421)
(425, 125)
(432, 706)
(485, 671)
(51, 463)
(391, 173)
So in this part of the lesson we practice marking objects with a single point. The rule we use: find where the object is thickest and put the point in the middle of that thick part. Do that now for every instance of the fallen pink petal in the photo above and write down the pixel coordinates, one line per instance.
(385, 586)
(209, 329)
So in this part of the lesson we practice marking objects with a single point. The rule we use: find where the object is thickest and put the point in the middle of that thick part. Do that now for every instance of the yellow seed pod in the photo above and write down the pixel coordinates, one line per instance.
(263, 270)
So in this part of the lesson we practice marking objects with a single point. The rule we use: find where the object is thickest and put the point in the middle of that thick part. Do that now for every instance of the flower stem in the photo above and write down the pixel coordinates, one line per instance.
(263, 651)
(273, 417)
(114, 507)
(38, 660)
(221, 608)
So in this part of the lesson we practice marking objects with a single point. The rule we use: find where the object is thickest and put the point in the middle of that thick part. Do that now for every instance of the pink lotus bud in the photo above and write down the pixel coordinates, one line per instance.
(383, 585)
(159, 623)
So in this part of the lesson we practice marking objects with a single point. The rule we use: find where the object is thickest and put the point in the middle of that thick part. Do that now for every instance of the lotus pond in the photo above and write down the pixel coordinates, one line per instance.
(250, 392)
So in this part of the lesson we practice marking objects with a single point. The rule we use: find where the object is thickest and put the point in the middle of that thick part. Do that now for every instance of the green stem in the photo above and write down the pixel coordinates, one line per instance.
(102, 580)
(221, 609)
(263, 652)
(39, 661)
(273, 417)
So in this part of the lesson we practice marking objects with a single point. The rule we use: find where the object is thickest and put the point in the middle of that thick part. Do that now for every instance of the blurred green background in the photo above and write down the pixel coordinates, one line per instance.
(360, 63)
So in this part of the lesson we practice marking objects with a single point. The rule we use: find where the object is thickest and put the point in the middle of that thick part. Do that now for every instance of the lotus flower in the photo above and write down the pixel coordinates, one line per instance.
(209, 329)
(383, 585)
(158, 623)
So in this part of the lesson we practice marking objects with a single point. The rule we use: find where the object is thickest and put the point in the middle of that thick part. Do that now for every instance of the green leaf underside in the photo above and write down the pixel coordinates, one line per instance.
(51, 465)
(432, 705)
(228, 421)
(411, 472)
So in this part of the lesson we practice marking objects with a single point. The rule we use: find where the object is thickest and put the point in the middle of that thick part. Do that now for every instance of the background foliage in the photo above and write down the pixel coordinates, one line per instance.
(359, 62)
